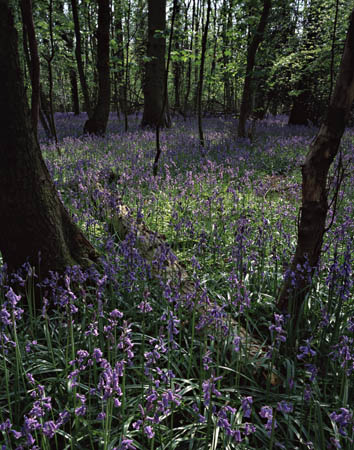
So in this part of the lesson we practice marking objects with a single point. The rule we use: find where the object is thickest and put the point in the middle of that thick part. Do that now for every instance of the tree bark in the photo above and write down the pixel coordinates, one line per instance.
(314, 206)
(97, 124)
(155, 67)
(189, 67)
(299, 114)
(74, 92)
(27, 18)
(199, 13)
(177, 64)
(120, 74)
(33, 219)
(78, 54)
(226, 12)
(302, 107)
(201, 74)
(251, 57)
(68, 39)
(45, 109)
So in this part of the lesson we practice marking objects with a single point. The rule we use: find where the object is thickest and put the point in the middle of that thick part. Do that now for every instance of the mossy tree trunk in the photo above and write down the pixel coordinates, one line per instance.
(33, 219)
(314, 206)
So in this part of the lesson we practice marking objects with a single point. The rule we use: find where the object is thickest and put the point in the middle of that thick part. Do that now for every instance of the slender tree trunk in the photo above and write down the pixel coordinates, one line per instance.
(314, 205)
(177, 65)
(33, 219)
(74, 92)
(189, 67)
(225, 55)
(45, 125)
(331, 74)
(50, 73)
(127, 71)
(78, 52)
(210, 106)
(68, 39)
(303, 103)
(27, 17)
(155, 67)
(97, 124)
(251, 57)
(201, 74)
(164, 106)
(44, 107)
(299, 114)
(119, 78)
(199, 15)
(139, 30)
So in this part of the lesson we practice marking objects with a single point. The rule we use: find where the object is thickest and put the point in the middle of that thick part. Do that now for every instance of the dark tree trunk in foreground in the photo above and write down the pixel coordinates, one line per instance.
(155, 67)
(97, 124)
(33, 219)
(26, 11)
(78, 51)
(251, 58)
(314, 205)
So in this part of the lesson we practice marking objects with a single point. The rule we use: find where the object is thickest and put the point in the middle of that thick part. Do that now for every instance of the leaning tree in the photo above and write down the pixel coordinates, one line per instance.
(33, 219)
(314, 206)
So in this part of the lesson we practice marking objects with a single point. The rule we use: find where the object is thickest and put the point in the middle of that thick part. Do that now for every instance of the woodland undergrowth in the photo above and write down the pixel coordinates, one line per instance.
(117, 358)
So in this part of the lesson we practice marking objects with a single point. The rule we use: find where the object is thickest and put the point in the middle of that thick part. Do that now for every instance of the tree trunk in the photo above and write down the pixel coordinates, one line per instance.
(189, 67)
(44, 107)
(80, 66)
(27, 18)
(45, 125)
(251, 57)
(49, 59)
(68, 39)
(299, 113)
(199, 13)
(155, 67)
(120, 78)
(225, 48)
(33, 219)
(314, 206)
(97, 124)
(303, 103)
(201, 74)
(177, 64)
(74, 92)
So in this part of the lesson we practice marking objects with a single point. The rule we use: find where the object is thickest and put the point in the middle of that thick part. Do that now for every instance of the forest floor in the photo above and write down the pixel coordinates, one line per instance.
(121, 357)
